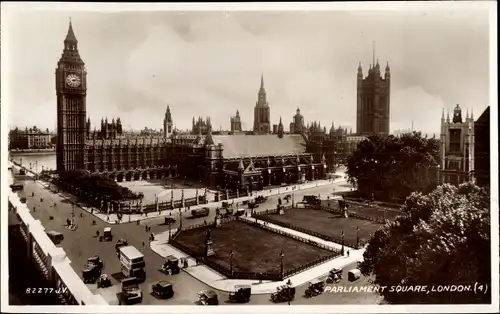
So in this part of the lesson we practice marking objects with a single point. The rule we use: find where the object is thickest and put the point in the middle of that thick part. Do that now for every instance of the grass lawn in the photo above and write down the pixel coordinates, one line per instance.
(255, 249)
(326, 223)
(366, 210)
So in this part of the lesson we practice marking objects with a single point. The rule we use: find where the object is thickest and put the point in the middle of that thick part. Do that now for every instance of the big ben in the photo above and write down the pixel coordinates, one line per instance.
(71, 89)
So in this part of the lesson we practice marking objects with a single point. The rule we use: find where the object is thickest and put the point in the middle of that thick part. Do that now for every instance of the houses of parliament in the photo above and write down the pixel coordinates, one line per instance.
(238, 159)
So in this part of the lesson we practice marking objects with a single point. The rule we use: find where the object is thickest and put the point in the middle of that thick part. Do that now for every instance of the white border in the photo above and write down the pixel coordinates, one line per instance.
(311, 6)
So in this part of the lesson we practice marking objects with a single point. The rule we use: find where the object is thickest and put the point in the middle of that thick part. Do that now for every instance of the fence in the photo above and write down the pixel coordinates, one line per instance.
(266, 217)
(356, 215)
(226, 271)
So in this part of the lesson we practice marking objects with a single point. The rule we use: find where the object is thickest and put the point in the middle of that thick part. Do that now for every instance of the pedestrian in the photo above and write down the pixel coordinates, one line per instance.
(107, 218)
(347, 253)
(143, 244)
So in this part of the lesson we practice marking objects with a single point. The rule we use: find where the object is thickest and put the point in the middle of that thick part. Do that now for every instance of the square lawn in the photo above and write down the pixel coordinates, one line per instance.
(254, 249)
(366, 210)
(326, 223)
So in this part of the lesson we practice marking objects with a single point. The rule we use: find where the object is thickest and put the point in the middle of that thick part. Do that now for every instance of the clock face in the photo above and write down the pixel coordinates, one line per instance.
(73, 80)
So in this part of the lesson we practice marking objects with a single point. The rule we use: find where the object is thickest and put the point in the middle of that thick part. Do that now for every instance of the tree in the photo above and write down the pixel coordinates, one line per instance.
(443, 238)
(390, 167)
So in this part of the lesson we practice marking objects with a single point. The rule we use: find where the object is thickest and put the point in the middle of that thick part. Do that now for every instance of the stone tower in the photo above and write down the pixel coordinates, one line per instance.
(262, 114)
(71, 90)
(373, 100)
(236, 122)
(457, 148)
(167, 124)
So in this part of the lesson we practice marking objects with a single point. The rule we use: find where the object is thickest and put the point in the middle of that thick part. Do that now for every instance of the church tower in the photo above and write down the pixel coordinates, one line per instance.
(457, 148)
(71, 90)
(167, 123)
(373, 100)
(262, 124)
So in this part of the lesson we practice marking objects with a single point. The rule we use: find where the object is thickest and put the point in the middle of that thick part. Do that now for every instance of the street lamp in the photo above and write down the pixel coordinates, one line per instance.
(231, 262)
(281, 268)
(342, 237)
(357, 236)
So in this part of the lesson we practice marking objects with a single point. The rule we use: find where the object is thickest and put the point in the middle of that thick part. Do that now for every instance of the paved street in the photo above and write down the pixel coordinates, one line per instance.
(82, 243)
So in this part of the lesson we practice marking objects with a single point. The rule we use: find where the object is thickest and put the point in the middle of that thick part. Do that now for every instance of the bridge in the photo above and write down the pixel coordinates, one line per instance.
(51, 261)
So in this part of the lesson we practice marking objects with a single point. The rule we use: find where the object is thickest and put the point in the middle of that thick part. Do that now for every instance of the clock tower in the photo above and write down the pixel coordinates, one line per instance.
(71, 89)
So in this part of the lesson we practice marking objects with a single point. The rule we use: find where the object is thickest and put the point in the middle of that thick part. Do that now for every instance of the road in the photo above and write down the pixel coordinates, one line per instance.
(83, 243)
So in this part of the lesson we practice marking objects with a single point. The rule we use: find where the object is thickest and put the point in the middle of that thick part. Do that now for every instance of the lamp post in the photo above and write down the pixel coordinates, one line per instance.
(357, 236)
(342, 238)
(281, 266)
(180, 221)
(231, 262)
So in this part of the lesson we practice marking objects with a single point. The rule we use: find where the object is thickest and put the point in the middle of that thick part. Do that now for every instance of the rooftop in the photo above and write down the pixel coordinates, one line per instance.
(242, 146)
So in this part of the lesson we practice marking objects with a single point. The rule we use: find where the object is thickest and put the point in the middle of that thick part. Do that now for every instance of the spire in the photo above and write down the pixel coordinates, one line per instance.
(241, 166)
(262, 81)
(467, 114)
(70, 37)
(472, 113)
(373, 57)
(359, 67)
(442, 115)
(387, 68)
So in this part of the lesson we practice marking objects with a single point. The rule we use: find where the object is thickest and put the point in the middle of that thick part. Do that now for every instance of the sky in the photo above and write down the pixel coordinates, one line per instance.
(210, 64)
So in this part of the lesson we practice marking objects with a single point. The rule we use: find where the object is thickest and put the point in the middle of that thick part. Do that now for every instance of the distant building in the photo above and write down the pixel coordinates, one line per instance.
(482, 148)
(201, 126)
(262, 113)
(457, 143)
(236, 123)
(32, 138)
(373, 103)
(297, 126)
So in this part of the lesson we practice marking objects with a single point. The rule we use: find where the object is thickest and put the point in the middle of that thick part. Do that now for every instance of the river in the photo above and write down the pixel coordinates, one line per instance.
(36, 162)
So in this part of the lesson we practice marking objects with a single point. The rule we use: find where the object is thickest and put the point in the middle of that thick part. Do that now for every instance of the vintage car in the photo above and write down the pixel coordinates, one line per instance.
(241, 294)
(95, 260)
(171, 265)
(354, 274)
(311, 200)
(104, 281)
(208, 297)
(55, 236)
(200, 212)
(260, 199)
(316, 287)
(240, 212)
(284, 293)
(335, 275)
(119, 244)
(169, 220)
(106, 235)
(131, 293)
(91, 273)
(163, 289)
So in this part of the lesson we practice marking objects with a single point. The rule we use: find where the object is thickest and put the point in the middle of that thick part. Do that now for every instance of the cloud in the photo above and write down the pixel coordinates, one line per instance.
(209, 64)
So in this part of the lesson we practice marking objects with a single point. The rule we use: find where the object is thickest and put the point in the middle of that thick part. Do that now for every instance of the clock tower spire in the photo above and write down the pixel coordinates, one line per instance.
(71, 91)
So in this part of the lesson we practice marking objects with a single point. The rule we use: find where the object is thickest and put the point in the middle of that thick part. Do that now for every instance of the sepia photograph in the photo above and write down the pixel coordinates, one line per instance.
(250, 157)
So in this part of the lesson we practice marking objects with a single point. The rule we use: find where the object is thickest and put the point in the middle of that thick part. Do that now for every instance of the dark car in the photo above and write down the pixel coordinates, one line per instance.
(95, 260)
(171, 265)
(241, 294)
(119, 244)
(169, 220)
(163, 289)
(104, 281)
(91, 273)
(208, 297)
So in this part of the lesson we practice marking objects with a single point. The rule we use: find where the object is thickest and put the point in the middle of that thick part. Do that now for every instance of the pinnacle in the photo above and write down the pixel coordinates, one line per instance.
(70, 37)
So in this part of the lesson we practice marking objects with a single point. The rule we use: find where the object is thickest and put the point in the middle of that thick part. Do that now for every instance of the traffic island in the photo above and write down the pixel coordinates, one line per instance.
(241, 250)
